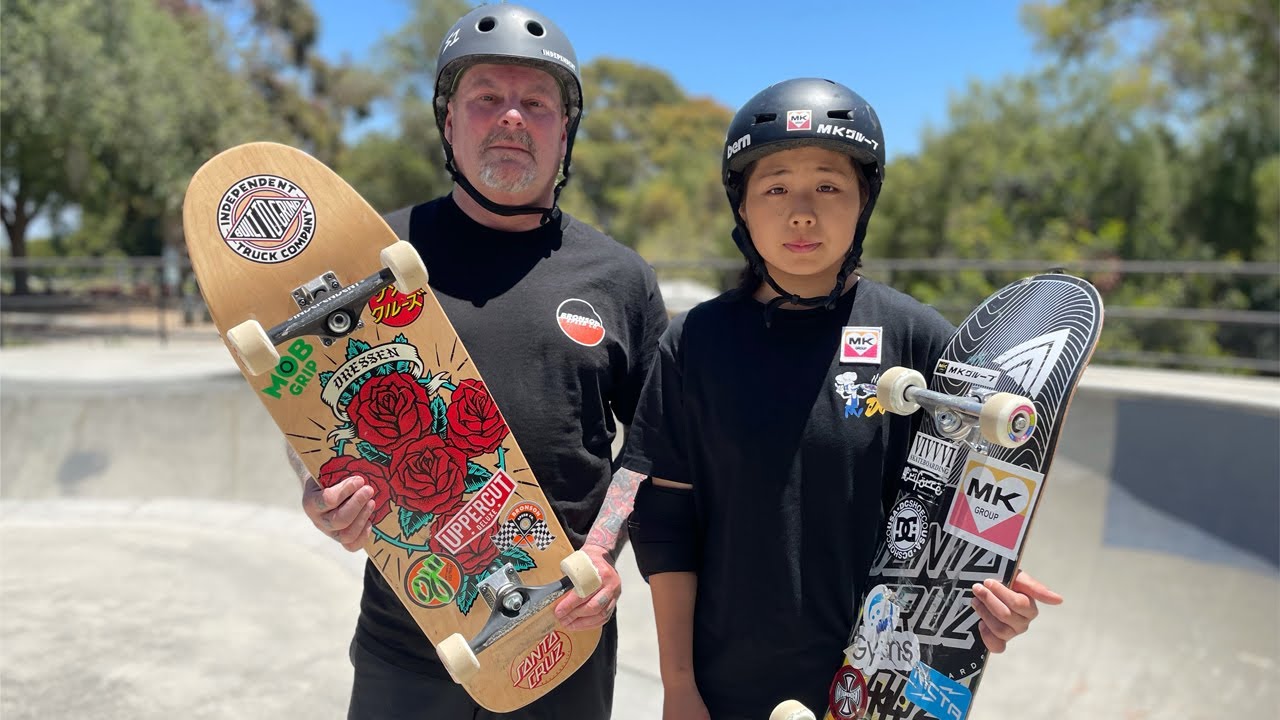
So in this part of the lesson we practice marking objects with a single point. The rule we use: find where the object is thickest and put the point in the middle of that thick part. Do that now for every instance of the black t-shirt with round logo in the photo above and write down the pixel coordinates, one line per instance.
(793, 465)
(562, 322)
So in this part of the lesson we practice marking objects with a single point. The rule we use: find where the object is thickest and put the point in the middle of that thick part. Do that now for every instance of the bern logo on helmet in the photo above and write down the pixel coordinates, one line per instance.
(799, 120)
(737, 146)
(557, 56)
(580, 322)
(449, 41)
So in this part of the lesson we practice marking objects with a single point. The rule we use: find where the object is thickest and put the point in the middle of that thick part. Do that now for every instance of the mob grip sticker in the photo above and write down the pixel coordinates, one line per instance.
(266, 219)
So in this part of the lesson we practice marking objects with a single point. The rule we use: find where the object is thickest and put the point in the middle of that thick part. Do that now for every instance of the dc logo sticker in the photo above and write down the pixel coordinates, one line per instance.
(906, 530)
(799, 120)
(266, 219)
(580, 322)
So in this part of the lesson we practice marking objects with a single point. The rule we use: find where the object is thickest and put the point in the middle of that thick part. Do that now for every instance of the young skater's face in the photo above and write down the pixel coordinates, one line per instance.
(801, 207)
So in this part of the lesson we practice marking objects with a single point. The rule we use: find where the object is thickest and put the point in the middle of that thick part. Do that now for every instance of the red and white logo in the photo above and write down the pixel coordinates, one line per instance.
(266, 219)
(799, 120)
(580, 322)
(993, 503)
(544, 662)
(848, 698)
(860, 345)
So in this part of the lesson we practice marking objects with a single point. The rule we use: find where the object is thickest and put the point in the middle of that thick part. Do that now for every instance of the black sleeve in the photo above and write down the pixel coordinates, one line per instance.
(657, 439)
(930, 334)
(647, 320)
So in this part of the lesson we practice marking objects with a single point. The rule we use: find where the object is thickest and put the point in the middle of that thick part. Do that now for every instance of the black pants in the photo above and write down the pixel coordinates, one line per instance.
(383, 690)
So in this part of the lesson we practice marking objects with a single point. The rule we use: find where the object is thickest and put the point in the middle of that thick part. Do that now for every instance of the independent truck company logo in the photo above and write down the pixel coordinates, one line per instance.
(266, 219)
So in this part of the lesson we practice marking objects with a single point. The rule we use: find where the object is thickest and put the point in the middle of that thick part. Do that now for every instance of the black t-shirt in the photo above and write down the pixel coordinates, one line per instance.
(792, 465)
(562, 322)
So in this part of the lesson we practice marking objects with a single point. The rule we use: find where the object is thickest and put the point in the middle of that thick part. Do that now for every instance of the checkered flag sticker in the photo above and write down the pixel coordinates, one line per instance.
(514, 532)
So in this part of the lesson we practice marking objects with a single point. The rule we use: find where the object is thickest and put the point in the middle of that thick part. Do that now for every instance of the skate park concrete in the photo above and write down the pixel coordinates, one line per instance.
(154, 562)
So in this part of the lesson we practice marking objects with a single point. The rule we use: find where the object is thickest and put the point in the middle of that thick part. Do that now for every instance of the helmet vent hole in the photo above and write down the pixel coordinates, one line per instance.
(766, 117)
(535, 28)
(840, 114)
(487, 24)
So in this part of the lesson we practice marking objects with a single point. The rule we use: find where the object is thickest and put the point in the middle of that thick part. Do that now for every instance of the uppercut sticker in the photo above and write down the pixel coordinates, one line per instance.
(266, 218)
(860, 345)
(580, 322)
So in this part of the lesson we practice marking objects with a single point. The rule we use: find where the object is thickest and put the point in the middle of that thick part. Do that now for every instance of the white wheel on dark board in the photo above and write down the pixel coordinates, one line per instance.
(891, 389)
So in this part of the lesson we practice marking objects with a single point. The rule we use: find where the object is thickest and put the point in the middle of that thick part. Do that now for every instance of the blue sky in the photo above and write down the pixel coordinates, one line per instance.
(906, 57)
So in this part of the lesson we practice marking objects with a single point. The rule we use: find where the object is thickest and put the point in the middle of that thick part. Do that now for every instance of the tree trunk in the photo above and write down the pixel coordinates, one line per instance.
(17, 229)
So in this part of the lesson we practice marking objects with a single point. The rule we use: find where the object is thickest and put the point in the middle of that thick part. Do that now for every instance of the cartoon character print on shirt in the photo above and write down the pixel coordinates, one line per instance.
(859, 395)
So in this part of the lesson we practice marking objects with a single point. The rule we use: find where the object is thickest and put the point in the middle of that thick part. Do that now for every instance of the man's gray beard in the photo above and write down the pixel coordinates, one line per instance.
(492, 177)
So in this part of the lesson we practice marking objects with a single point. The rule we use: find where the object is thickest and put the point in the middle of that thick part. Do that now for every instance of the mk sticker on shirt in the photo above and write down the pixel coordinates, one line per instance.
(993, 503)
(860, 345)
(580, 322)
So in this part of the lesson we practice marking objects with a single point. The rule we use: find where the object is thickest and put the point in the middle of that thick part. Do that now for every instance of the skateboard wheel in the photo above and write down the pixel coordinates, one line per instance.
(406, 264)
(791, 710)
(891, 389)
(253, 347)
(458, 658)
(1007, 420)
(577, 566)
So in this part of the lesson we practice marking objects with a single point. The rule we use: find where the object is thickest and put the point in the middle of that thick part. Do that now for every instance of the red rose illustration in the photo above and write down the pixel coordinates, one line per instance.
(391, 411)
(475, 425)
(342, 467)
(428, 476)
(473, 557)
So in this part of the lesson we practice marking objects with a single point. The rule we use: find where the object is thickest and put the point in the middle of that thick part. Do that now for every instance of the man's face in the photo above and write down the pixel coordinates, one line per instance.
(508, 130)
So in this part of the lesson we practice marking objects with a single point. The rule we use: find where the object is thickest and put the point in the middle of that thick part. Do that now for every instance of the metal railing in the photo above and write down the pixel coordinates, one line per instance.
(158, 297)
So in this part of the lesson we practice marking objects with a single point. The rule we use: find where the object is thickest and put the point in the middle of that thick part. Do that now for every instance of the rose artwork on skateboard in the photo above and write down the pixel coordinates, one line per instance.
(333, 323)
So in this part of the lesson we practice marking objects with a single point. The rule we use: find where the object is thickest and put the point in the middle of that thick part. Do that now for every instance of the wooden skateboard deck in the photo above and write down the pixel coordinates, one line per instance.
(964, 512)
(397, 400)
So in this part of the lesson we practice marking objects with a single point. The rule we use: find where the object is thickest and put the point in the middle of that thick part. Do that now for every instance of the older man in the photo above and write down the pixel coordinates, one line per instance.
(505, 262)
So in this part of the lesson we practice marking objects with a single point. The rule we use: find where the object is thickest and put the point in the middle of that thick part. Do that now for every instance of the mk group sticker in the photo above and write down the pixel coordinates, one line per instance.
(992, 504)
(266, 219)
(967, 373)
(860, 345)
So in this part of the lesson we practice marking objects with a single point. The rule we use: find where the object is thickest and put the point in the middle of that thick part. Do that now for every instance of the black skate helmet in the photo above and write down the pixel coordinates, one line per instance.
(798, 113)
(515, 35)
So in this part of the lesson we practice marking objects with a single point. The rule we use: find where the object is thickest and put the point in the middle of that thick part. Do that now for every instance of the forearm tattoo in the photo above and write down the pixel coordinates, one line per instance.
(618, 501)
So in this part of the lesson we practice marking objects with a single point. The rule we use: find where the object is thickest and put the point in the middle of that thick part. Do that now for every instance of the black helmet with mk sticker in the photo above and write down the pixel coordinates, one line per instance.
(508, 34)
(799, 113)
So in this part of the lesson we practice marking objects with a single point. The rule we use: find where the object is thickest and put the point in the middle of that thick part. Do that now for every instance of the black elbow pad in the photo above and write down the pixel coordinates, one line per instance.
(664, 529)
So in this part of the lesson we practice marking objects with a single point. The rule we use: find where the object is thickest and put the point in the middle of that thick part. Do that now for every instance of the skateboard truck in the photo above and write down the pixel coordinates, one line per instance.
(326, 308)
(510, 604)
(1005, 419)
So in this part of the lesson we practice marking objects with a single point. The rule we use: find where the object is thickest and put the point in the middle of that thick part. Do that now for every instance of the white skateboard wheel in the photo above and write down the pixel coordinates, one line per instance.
(406, 265)
(1007, 420)
(253, 347)
(458, 658)
(577, 566)
(791, 710)
(891, 389)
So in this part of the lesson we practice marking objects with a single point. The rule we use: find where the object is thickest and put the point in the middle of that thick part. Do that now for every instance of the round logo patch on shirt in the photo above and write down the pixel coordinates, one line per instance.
(580, 322)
